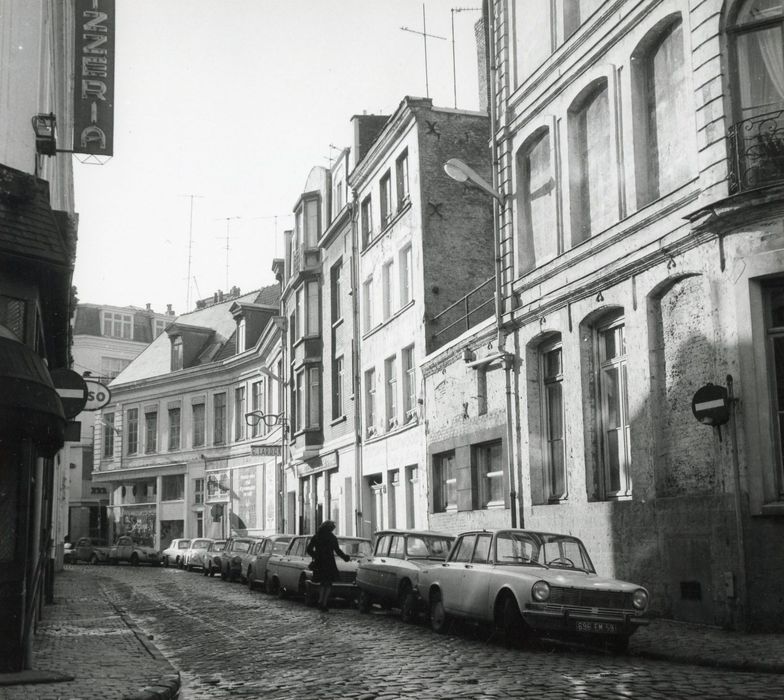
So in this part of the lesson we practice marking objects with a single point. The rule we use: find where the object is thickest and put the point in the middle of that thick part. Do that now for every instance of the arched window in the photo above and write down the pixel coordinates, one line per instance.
(759, 57)
(537, 217)
(593, 195)
(663, 138)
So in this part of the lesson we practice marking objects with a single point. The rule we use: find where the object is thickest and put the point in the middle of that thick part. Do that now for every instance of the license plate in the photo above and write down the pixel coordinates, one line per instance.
(597, 627)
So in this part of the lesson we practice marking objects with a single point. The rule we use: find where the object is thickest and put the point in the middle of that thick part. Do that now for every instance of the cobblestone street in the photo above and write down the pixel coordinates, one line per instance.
(227, 642)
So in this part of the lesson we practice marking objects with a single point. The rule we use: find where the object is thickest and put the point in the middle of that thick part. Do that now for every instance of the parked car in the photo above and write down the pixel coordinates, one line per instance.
(69, 554)
(194, 556)
(212, 561)
(389, 578)
(288, 573)
(90, 549)
(528, 582)
(259, 555)
(175, 552)
(125, 549)
(234, 557)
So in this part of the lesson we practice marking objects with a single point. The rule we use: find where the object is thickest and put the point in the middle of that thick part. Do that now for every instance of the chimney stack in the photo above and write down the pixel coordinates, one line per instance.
(482, 63)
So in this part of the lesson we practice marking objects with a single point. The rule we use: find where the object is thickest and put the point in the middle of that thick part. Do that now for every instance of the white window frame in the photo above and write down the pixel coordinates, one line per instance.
(368, 301)
(406, 291)
(547, 448)
(409, 385)
(370, 402)
(390, 392)
(387, 281)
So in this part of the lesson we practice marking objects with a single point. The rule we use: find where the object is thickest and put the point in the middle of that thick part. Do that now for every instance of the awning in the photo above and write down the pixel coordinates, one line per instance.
(29, 404)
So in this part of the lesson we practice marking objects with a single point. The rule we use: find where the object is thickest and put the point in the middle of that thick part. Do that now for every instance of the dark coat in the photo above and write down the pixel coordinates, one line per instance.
(323, 547)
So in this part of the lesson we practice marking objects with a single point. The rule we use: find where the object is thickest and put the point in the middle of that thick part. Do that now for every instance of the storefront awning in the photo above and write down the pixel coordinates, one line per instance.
(29, 404)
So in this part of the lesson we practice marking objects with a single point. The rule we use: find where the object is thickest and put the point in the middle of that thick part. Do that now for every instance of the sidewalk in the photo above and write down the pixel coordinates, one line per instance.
(709, 646)
(83, 637)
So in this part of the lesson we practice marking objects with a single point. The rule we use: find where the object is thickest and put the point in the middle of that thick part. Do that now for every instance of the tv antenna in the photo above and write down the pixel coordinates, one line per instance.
(454, 63)
(190, 250)
(228, 220)
(425, 37)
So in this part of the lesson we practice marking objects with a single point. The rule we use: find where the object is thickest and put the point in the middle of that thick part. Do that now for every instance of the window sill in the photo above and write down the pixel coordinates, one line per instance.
(389, 320)
(375, 237)
(339, 419)
(772, 509)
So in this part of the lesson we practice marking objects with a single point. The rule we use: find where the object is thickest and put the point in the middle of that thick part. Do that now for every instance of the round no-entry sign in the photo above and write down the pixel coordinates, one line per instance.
(98, 395)
(71, 389)
(710, 405)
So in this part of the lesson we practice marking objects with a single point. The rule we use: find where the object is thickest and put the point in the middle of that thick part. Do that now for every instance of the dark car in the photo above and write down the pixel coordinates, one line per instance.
(389, 578)
(90, 549)
(234, 557)
(212, 557)
(260, 553)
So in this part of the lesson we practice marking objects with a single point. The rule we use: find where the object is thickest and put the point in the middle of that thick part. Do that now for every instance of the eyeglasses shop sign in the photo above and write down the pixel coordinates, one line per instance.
(94, 75)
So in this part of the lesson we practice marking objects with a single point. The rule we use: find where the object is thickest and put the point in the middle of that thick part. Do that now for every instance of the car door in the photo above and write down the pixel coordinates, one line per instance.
(451, 574)
(124, 548)
(476, 578)
(371, 569)
(289, 572)
(390, 567)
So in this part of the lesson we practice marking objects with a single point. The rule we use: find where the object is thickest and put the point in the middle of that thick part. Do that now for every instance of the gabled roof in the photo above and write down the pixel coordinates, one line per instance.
(215, 322)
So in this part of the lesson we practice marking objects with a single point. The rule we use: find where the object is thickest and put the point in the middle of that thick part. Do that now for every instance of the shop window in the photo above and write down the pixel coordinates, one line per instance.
(173, 487)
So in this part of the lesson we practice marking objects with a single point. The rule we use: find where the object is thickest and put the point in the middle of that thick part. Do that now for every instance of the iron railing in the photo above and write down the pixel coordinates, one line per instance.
(466, 312)
(756, 148)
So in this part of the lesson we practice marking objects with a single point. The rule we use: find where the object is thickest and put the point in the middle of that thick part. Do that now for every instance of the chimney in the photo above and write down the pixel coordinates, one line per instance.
(220, 295)
(149, 307)
(482, 62)
(367, 127)
(169, 311)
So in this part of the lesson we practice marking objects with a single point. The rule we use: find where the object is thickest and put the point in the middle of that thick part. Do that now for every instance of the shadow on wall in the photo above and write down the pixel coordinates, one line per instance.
(678, 534)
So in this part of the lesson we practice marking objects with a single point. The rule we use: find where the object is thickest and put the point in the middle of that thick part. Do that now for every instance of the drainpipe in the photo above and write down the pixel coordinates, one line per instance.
(515, 479)
(356, 369)
(738, 502)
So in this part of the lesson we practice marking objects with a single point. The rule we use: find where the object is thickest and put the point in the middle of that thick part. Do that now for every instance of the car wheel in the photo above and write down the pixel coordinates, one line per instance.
(408, 608)
(134, 559)
(281, 591)
(511, 621)
(166, 561)
(94, 559)
(249, 578)
(439, 619)
(364, 603)
(265, 585)
(619, 645)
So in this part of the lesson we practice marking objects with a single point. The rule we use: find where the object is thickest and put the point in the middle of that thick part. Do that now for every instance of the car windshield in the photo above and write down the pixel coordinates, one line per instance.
(428, 547)
(200, 544)
(280, 546)
(355, 548)
(217, 546)
(541, 549)
(184, 544)
(241, 546)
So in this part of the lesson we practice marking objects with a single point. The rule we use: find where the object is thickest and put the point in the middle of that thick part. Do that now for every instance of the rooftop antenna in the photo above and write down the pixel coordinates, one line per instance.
(454, 63)
(228, 220)
(332, 147)
(424, 36)
(190, 250)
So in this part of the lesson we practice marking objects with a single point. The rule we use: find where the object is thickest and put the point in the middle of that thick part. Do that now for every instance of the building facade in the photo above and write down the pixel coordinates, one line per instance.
(37, 253)
(105, 341)
(174, 446)
(424, 274)
(640, 236)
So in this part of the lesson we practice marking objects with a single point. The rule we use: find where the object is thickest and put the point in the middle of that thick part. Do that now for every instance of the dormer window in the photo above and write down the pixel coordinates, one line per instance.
(176, 356)
(307, 226)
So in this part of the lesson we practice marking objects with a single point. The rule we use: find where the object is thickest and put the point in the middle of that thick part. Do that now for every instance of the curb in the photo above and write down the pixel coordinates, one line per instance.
(715, 662)
(167, 687)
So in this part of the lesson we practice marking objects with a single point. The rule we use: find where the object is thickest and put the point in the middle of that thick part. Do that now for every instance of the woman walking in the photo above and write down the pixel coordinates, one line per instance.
(323, 547)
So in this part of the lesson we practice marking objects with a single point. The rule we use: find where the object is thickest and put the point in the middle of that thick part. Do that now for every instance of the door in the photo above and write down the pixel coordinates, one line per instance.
(452, 572)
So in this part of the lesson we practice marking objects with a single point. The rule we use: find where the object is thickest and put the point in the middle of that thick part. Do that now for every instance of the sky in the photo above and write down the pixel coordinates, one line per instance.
(222, 107)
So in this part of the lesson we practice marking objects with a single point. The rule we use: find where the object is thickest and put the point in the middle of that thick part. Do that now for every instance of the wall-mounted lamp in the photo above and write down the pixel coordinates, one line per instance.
(45, 128)
(459, 171)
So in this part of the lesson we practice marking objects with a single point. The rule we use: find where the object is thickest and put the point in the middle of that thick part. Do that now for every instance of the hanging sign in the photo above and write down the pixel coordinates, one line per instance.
(71, 389)
(94, 77)
(98, 395)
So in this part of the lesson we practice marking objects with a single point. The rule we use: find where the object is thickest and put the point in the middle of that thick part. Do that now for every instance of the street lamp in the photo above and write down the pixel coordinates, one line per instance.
(459, 171)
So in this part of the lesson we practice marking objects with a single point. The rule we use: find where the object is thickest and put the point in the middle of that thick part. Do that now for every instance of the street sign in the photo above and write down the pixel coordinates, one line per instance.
(98, 395)
(265, 450)
(710, 405)
(71, 389)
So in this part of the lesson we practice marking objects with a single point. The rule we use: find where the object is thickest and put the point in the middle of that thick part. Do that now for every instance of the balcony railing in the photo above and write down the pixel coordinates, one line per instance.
(756, 149)
(474, 307)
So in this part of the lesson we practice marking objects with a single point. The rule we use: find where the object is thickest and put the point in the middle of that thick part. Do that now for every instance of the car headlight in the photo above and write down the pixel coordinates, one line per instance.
(640, 599)
(540, 591)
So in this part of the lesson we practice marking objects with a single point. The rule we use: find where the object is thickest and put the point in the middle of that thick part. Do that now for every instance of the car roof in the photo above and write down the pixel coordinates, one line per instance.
(419, 533)
(538, 533)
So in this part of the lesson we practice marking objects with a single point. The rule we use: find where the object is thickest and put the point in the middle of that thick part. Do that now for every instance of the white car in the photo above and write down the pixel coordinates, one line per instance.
(196, 555)
(175, 552)
(528, 582)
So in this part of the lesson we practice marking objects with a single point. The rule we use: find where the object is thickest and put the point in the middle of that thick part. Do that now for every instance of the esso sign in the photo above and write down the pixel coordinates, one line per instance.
(98, 395)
